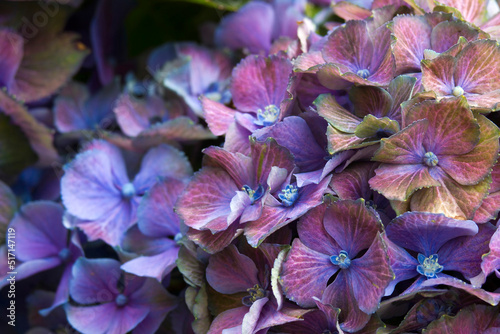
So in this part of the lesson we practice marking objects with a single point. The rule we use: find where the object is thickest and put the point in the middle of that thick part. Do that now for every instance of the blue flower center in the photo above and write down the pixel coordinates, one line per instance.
(342, 260)
(289, 195)
(268, 116)
(254, 294)
(178, 237)
(458, 91)
(128, 190)
(121, 300)
(364, 73)
(430, 159)
(64, 254)
(429, 266)
(254, 195)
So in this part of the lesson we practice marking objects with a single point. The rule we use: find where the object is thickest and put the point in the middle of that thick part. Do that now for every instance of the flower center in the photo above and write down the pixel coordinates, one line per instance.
(342, 260)
(64, 254)
(458, 91)
(268, 116)
(254, 194)
(128, 190)
(430, 159)
(178, 237)
(429, 266)
(121, 300)
(364, 73)
(289, 195)
(254, 294)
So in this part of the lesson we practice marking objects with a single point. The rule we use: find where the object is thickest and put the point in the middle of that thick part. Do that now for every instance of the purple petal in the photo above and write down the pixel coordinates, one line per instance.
(39, 230)
(230, 272)
(32, 267)
(62, 293)
(352, 182)
(464, 254)
(69, 108)
(491, 261)
(249, 324)
(157, 220)
(89, 185)
(238, 166)
(269, 154)
(437, 75)
(339, 294)
(94, 281)
(162, 161)
(105, 318)
(218, 116)
(305, 274)
(251, 27)
(213, 243)
(426, 232)
(228, 319)
(403, 265)
(313, 234)
(259, 82)
(370, 275)
(134, 115)
(157, 266)
(352, 224)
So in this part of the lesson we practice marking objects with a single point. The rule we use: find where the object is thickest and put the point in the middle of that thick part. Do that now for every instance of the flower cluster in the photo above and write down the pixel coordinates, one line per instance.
(311, 167)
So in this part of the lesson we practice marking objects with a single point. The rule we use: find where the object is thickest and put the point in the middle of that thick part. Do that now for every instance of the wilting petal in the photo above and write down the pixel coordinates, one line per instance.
(305, 274)
(49, 61)
(426, 232)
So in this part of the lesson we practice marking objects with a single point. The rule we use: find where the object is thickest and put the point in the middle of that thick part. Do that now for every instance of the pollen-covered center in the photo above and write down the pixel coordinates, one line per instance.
(254, 195)
(128, 190)
(458, 91)
(364, 73)
(254, 294)
(342, 260)
(429, 266)
(430, 159)
(289, 195)
(268, 116)
(121, 300)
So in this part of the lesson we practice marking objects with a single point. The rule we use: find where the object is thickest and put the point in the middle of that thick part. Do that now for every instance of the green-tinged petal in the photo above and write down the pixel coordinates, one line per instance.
(452, 199)
(472, 167)
(373, 127)
(369, 100)
(336, 115)
(437, 75)
(398, 182)
(341, 141)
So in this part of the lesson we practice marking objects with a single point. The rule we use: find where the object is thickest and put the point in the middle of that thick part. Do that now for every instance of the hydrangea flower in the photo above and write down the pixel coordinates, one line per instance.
(439, 244)
(75, 109)
(96, 188)
(367, 61)
(104, 301)
(443, 157)
(230, 190)
(262, 95)
(331, 240)
(470, 71)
